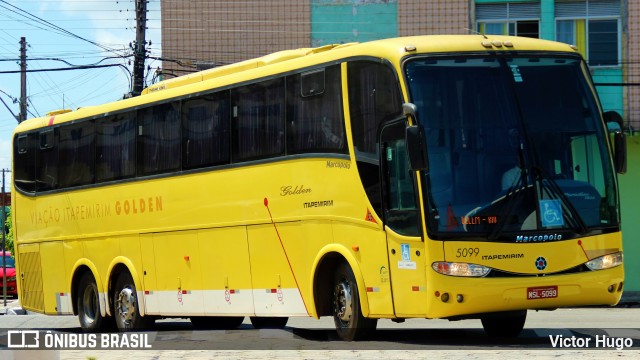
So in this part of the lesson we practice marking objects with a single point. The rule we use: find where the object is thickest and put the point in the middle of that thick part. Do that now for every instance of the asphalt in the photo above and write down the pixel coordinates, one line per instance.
(11, 306)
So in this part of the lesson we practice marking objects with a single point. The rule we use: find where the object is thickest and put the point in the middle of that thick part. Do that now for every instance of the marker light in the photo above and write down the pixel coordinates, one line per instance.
(605, 262)
(460, 269)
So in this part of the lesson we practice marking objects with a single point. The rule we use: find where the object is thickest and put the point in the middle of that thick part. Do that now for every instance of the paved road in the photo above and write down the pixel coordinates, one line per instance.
(314, 339)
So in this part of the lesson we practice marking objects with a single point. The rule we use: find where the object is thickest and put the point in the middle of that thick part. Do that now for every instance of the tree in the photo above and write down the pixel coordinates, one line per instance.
(9, 233)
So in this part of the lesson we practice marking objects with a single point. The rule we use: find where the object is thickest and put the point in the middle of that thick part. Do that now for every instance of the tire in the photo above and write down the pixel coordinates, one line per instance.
(505, 325)
(347, 315)
(216, 322)
(268, 322)
(125, 306)
(89, 306)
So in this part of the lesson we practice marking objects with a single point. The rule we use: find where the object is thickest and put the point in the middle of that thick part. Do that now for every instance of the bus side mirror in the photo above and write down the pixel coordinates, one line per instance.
(415, 140)
(614, 125)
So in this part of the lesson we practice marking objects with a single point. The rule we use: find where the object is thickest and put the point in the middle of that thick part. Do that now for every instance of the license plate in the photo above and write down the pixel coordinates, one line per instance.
(547, 292)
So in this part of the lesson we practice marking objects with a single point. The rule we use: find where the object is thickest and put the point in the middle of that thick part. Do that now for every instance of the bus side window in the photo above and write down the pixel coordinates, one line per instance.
(47, 161)
(76, 149)
(25, 150)
(116, 147)
(258, 120)
(315, 122)
(205, 130)
(159, 139)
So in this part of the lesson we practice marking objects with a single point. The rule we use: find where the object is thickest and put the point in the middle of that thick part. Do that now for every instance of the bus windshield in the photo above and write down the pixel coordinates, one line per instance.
(516, 146)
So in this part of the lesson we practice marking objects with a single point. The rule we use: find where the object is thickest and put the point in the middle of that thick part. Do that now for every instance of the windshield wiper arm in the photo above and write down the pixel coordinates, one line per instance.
(553, 190)
(509, 197)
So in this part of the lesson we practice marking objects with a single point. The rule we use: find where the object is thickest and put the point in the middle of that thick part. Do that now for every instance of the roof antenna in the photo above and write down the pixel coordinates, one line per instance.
(476, 32)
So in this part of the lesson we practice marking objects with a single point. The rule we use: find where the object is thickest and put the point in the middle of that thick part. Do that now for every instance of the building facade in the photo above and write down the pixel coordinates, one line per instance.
(200, 34)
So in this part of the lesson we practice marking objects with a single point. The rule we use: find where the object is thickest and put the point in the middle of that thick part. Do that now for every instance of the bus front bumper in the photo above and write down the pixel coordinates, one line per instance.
(460, 296)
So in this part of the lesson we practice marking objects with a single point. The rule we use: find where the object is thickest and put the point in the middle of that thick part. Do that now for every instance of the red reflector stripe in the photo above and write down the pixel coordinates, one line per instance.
(415, 288)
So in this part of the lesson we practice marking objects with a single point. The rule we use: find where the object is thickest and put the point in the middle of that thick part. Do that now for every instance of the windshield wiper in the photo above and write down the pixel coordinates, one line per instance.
(509, 197)
(554, 191)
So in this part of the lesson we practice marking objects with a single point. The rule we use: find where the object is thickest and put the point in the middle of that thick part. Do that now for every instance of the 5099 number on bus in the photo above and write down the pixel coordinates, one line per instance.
(542, 292)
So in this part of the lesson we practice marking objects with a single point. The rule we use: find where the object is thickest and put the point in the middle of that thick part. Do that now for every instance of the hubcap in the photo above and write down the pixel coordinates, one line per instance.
(343, 301)
(126, 306)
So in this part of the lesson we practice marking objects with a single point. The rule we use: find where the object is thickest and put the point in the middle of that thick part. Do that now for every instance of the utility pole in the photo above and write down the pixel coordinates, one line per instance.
(23, 80)
(139, 49)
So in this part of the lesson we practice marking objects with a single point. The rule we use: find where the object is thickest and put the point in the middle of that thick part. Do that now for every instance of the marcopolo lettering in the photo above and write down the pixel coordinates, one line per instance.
(538, 238)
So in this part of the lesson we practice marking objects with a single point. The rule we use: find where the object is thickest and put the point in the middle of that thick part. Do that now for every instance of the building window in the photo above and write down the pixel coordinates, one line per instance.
(593, 26)
(515, 19)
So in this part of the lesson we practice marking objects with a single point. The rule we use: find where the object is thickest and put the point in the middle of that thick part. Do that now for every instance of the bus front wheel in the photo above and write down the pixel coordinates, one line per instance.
(89, 305)
(350, 323)
(507, 324)
(125, 305)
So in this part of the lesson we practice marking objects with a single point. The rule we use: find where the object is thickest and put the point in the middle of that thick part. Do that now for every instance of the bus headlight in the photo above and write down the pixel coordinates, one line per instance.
(460, 269)
(605, 262)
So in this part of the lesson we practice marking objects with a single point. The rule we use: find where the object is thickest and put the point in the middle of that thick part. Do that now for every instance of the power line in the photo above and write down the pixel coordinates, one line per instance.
(64, 69)
(53, 26)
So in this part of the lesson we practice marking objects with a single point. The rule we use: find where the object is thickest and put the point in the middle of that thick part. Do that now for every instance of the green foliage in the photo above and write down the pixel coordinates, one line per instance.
(9, 236)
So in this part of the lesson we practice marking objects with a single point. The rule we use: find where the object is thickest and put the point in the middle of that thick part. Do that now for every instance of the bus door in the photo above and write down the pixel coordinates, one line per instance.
(406, 249)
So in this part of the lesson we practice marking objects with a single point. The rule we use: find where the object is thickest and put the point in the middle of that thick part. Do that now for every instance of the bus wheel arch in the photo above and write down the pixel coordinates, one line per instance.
(125, 303)
(118, 266)
(326, 265)
(80, 269)
(87, 302)
(323, 282)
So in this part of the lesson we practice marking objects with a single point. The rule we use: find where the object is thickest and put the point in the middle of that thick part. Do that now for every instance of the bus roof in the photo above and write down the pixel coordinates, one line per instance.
(393, 49)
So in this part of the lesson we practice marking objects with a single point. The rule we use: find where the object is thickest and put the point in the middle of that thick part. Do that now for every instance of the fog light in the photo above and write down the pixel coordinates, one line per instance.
(611, 288)
(444, 297)
(620, 286)
(460, 298)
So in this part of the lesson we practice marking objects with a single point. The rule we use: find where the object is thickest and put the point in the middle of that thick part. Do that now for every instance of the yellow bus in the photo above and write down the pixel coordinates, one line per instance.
(447, 177)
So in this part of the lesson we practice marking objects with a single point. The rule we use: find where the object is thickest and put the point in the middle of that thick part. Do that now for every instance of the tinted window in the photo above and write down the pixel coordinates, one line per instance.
(159, 139)
(47, 161)
(374, 98)
(258, 120)
(76, 148)
(115, 147)
(24, 165)
(206, 130)
(314, 112)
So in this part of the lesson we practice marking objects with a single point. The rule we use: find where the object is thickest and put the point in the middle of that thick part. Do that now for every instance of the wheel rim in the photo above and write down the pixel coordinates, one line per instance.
(343, 301)
(126, 306)
(90, 305)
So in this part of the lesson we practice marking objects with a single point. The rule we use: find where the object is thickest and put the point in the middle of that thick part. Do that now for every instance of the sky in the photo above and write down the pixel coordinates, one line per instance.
(52, 29)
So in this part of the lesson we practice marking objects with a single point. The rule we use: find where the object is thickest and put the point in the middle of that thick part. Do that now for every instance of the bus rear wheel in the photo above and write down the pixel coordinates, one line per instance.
(125, 305)
(89, 306)
(268, 322)
(347, 315)
(216, 322)
(507, 324)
